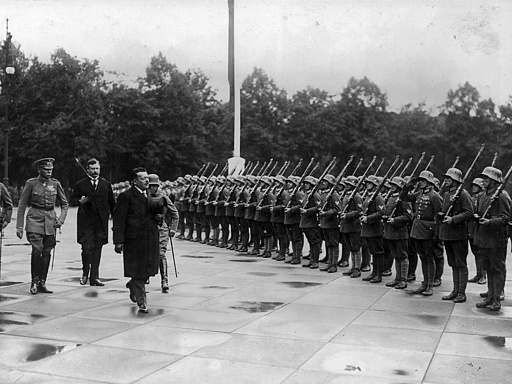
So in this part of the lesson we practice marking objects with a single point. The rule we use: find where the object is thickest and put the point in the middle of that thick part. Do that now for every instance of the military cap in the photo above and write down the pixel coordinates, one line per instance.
(231, 178)
(195, 178)
(252, 178)
(280, 179)
(293, 179)
(202, 179)
(221, 179)
(153, 179)
(213, 179)
(46, 162)
(188, 177)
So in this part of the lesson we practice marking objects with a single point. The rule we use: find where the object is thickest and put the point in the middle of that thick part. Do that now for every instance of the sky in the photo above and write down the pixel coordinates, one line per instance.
(415, 51)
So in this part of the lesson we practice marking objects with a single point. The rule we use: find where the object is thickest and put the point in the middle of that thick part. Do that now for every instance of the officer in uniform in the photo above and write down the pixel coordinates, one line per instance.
(292, 219)
(40, 194)
(453, 231)
(328, 216)
(309, 221)
(477, 187)
(6, 206)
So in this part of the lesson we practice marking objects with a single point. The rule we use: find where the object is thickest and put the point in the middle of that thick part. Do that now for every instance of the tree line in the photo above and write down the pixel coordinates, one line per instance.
(172, 122)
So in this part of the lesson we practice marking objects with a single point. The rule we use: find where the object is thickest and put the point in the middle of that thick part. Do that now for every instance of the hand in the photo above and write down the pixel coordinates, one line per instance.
(246, 205)
(258, 208)
(19, 233)
(118, 248)
(476, 216)
(171, 233)
(235, 205)
(321, 213)
(391, 221)
(226, 204)
(287, 210)
(302, 210)
(57, 224)
(343, 216)
(448, 220)
(364, 219)
(271, 209)
(215, 203)
(483, 221)
(84, 200)
(4, 224)
(159, 218)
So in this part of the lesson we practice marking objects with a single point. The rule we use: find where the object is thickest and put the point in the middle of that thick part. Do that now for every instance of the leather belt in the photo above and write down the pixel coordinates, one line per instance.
(424, 218)
(49, 208)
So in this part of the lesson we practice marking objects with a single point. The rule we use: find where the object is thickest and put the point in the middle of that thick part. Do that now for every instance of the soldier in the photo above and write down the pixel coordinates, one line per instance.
(292, 220)
(372, 231)
(453, 232)
(345, 252)
(6, 206)
(424, 232)
(263, 215)
(220, 210)
(40, 194)
(230, 211)
(250, 213)
(242, 223)
(277, 216)
(211, 208)
(329, 222)
(398, 215)
(184, 205)
(309, 222)
(167, 225)
(203, 224)
(211, 223)
(350, 225)
(491, 235)
(477, 187)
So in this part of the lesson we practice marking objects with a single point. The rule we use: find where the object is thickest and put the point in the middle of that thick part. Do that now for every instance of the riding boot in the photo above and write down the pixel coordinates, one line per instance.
(378, 266)
(329, 259)
(45, 265)
(270, 245)
(33, 285)
(456, 285)
(439, 270)
(163, 274)
(216, 234)
(463, 282)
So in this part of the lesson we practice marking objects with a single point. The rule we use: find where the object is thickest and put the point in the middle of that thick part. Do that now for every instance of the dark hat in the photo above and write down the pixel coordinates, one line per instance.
(46, 162)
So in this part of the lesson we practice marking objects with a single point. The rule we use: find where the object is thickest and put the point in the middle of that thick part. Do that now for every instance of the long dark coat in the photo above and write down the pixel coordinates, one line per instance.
(98, 209)
(135, 228)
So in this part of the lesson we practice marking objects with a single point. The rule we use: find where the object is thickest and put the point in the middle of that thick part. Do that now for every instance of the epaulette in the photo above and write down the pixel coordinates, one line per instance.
(32, 179)
(52, 179)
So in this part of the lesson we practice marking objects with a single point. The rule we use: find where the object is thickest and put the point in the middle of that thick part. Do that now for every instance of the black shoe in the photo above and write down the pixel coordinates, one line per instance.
(474, 279)
(143, 308)
(305, 257)
(411, 277)
(437, 282)
(495, 306)
(324, 260)
(393, 283)
(461, 297)
(369, 277)
(355, 274)
(132, 295)
(366, 268)
(401, 285)
(452, 295)
(484, 304)
(313, 265)
(33, 286)
(41, 287)
(343, 264)
(295, 261)
(97, 283)
(386, 272)
(484, 294)
(84, 279)
(376, 279)
(332, 269)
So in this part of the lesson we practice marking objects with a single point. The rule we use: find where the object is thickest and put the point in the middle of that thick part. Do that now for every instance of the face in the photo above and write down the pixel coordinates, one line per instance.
(422, 183)
(324, 185)
(394, 188)
(486, 181)
(475, 189)
(141, 181)
(93, 170)
(153, 189)
(448, 182)
(45, 171)
(369, 185)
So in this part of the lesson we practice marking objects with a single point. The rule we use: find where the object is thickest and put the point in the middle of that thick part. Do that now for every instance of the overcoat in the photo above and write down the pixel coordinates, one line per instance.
(102, 204)
(135, 227)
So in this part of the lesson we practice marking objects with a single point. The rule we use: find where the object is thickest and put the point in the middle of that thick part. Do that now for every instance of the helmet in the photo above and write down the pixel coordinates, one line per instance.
(492, 173)
(252, 179)
(195, 178)
(267, 180)
(293, 179)
(428, 176)
(342, 182)
(280, 179)
(180, 180)
(398, 181)
(311, 180)
(372, 179)
(203, 179)
(454, 174)
(153, 179)
(213, 179)
(478, 182)
(221, 179)
(188, 177)
(231, 178)
(351, 180)
(240, 178)
(330, 179)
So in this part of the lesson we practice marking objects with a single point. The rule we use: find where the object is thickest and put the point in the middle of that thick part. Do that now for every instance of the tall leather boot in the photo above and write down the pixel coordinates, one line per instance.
(328, 251)
(297, 253)
(270, 246)
(456, 285)
(431, 271)
(366, 259)
(439, 270)
(463, 282)
(353, 260)
(379, 260)
(281, 256)
(224, 239)
(374, 269)
(498, 283)
(199, 233)
(215, 238)
(34, 285)
(404, 270)
(334, 259)
(266, 252)
(398, 273)
(163, 275)
(245, 242)
(45, 265)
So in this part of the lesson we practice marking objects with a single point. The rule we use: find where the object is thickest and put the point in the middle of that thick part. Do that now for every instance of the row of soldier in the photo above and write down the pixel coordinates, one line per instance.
(375, 220)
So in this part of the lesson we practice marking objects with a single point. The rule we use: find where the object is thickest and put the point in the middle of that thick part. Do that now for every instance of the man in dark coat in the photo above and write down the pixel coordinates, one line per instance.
(96, 202)
(136, 236)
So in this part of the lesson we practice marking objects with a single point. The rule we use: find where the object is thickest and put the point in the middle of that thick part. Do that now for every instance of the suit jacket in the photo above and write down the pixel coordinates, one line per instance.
(98, 210)
(135, 227)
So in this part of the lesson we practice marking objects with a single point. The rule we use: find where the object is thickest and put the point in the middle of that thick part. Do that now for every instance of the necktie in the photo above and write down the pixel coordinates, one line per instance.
(95, 183)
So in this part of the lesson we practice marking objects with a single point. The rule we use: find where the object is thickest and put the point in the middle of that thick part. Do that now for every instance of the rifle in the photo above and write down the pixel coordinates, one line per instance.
(496, 194)
(380, 165)
(264, 168)
(417, 164)
(386, 197)
(405, 168)
(461, 185)
(314, 169)
(494, 159)
(357, 166)
(374, 194)
(328, 169)
(200, 170)
(260, 175)
(429, 162)
(283, 168)
(338, 178)
(296, 188)
(253, 168)
(354, 191)
(207, 180)
(247, 167)
(296, 167)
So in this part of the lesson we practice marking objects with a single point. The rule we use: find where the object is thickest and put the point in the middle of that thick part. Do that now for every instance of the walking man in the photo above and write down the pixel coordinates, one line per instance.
(40, 194)
(96, 203)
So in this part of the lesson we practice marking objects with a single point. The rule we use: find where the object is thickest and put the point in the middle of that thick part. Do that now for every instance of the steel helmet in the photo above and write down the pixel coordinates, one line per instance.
(428, 176)
(311, 180)
(203, 179)
(351, 180)
(280, 179)
(293, 179)
(188, 177)
(153, 179)
(221, 179)
(398, 181)
(213, 179)
(372, 179)
(330, 179)
(478, 182)
(454, 174)
(492, 173)
(267, 180)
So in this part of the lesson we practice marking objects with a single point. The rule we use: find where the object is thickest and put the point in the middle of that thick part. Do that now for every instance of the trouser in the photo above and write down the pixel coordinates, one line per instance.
(233, 225)
(255, 234)
(92, 239)
(163, 241)
(243, 228)
(399, 250)
(181, 222)
(282, 238)
(296, 237)
(494, 262)
(189, 216)
(225, 229)
(375, 247)
(206, 227)
(480, 270)
(388, 258)
(425, 250)
(331, 237)
(413, 258)
(139, 290)
(42, 246)
(313, 237)
(353, 242)
(345, 251)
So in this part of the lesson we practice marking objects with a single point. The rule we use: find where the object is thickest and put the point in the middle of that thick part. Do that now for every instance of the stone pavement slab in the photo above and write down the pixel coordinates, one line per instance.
(237, 318)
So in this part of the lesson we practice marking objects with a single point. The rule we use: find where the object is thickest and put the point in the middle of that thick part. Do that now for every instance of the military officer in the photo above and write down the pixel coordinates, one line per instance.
(6, 206)
(40, 194)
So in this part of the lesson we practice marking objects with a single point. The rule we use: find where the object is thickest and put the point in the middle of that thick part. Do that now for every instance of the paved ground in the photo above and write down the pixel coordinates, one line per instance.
(232, 318)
